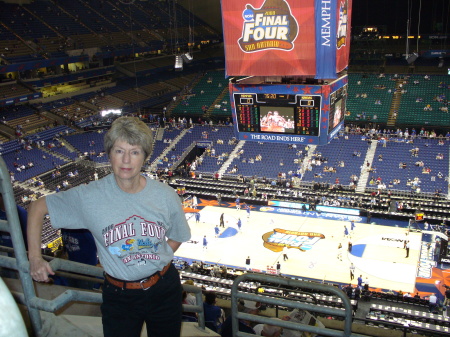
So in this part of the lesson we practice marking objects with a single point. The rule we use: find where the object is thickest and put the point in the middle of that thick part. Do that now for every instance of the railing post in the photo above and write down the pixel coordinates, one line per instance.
(236, 294)
(15, 230)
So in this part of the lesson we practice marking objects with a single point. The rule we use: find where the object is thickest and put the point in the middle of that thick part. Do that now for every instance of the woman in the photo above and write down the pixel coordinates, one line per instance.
(137, 224)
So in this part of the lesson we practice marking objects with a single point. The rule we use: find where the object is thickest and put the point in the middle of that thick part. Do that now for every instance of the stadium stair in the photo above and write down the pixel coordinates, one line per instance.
(217, 101)
(74, 325)
(308, 157)
(174, 103)
(7, 131)
(154, 164)
(80, 319)
(55, 154)
(232, 156)
(70, 147)
(395, 105)
(159, 134)
(364, 176)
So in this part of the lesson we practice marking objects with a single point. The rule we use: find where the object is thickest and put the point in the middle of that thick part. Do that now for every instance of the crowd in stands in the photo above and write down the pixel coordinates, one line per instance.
(215, 289)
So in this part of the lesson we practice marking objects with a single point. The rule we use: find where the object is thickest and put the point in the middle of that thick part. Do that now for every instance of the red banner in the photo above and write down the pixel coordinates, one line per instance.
(344, 14)
(271, 37)
(286, 37)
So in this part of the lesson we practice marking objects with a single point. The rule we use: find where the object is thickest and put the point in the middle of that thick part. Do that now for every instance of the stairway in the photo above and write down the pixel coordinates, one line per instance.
(364, 176)
(55, 154)
(159, 134)
(395, 105)
(88, 105)
(307, 159)
(230, 159)
(217, 101)
(154, 164)
(70, 147)
(173, 104)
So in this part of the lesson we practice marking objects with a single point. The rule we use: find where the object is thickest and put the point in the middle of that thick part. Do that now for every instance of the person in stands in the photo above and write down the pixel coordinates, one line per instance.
(137, 224)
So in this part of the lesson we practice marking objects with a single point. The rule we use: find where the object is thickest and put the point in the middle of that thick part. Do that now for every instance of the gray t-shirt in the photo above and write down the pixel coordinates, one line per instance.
(130, 230)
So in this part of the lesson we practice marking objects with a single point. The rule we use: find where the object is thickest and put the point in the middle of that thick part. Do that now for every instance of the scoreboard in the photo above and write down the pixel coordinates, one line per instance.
(288, 113)
(278, 113)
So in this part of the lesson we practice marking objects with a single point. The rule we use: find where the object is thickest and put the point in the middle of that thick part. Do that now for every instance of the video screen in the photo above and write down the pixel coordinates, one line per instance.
(338, 115)
(276, 119)
(337, 109)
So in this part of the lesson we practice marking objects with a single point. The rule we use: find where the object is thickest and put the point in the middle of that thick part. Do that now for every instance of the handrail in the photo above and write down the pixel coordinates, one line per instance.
(236, 315)
(280, 296)
(21, 263)
(198, 308)
(401, 327)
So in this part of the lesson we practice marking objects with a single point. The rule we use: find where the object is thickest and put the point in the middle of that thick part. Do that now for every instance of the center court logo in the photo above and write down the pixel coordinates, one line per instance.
(277, 239)
(272, 26)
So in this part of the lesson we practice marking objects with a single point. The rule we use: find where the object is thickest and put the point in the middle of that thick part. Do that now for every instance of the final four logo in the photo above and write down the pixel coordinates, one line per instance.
(342, 25)
(272, 26)
(279, 238)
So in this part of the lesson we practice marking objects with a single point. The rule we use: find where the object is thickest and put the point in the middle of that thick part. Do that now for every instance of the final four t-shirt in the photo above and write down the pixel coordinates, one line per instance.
(130, 229)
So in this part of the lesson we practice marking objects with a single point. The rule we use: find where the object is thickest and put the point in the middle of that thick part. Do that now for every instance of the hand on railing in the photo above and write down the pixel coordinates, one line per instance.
(40, 269)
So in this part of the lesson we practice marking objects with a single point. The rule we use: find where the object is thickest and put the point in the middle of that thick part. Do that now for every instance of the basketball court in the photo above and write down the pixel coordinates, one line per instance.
(377, 251)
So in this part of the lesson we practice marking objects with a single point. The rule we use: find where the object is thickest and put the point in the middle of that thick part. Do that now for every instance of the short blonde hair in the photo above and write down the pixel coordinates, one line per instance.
(131, 130)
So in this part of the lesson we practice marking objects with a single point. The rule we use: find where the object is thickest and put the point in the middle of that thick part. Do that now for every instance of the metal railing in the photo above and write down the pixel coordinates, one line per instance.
(236, 294)
(20, 263)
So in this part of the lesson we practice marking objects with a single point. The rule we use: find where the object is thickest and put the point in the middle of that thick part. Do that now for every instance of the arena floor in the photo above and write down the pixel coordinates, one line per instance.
(377, 253)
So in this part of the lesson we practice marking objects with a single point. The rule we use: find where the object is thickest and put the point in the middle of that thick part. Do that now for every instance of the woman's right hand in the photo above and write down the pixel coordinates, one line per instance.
(40, 269)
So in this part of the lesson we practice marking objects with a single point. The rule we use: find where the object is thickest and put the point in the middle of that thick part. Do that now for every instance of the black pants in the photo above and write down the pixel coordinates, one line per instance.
(124, 311)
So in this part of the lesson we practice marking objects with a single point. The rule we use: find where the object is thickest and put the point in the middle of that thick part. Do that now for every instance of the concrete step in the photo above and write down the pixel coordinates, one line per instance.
(73, 325)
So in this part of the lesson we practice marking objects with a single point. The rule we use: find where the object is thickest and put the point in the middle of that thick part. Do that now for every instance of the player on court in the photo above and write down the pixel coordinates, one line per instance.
(194, 202)
(352, 225)
(285, 257)
(248, 209)
(205, 243)
(238, 203)
(197, 217)
(219, 199)
(345, 232)
(339, 254)
(216, 231)
(239, 224)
